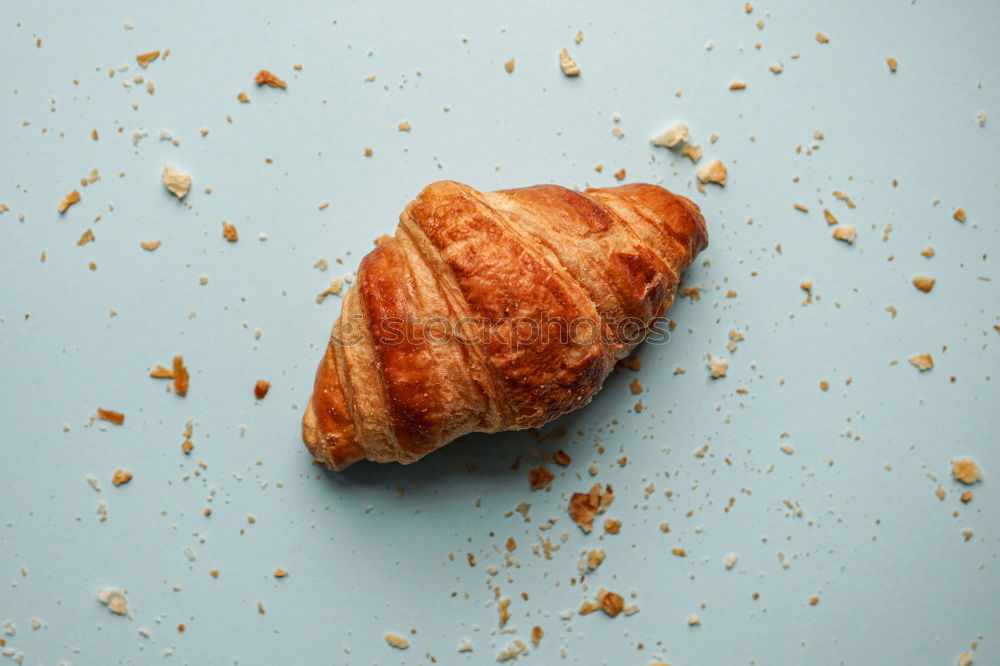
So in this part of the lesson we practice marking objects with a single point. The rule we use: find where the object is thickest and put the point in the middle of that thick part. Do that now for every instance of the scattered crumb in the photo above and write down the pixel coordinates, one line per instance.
(940, 493)
(924, 283)
(539, 477)
(718, 367)
(892, 64)
(568, 65)
(583, 507)
(612, 525)
(672, 137)
(560, 457)
(109, 415)
(280, 573)
(713, 173)
(612, 604)
(731, 560)
(229, 232)
(620, 174)
(830, 219)
(115, 600)
(694, 620)
(822, 39)
(509, 66)
(922, 362)
(178, 182)
(813, 601)
(691, 152)
(959, 214)
(121, 477)
(145, 58)
(966, 470)
(927, 252)
(265, 77)
(261, 388)
(397, 641)
(737, 85)
(579, 36)
(68, 200)
(965, 659)
(536, 635)
(847, 233)
(243, 98)
(180, 375)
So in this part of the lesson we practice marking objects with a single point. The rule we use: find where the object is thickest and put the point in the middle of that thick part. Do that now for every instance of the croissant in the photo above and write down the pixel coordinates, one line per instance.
(492, 311)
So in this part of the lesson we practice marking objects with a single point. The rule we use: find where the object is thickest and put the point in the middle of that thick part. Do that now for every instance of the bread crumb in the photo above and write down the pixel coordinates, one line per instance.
(924, 283)
(145, 58)
(922, 362)
(620, 174)
(672, 137)
(68, 200)
(243, 98)
(693, 620)
(178, 182)
(560, 457)
(229, 232)
(847, 233)
(679, 552)
(180, 375)
(787, 449)
(965, 659)
(536, 635)
(568, 65)
(86, 237)
(397, 641)
(110, 415)
(115, 600)
(830, 219)
(718, 367)
(583, 507)
(691, 152)
(959, 214)
(261, 388)
(940, 493)
(121, 477)
(539, 477)
(892, 64)
(265, 77)
(509, 66)
(579, 36)
(731, 560)
(927, 252)
(612, 526)
(822, 39)
(612, 604)
(813, 601)
(713, 173)
(737, 85)
(966, 497)
(966, 470)
(280, 573)
(595, 558)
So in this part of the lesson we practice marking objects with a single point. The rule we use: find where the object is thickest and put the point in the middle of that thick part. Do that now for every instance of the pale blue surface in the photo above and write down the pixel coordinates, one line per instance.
(898, 582)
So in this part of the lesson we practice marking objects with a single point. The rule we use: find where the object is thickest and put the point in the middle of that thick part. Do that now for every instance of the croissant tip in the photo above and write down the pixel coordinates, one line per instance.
(337, 455)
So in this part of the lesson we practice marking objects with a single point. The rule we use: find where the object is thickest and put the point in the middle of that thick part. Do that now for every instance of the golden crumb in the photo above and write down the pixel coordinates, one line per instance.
(824, 386)
(511, 544)
(568, 65)
(68, 200)
(509, 66)
(110, 415)
(121, 477)
(280, 573)
(177, 182)
(579, 36)
(847, 233)
(892, 64)
(397, 641)
(692, 152)
(922, 362)
(679, 552)
(229, 232)
(265, 77)
(145, 58)
(560, 457)
(799, 207)
(612, 604)
(822, 39)
(718, 367)
(583, 507)
(539, 477)
(959, 214)
(966, 497)
(595, 558)
(924, 283)
(180, 375)
(187, 446)
(588, 607)
(404, 126)
(536, 635)
(713, 173)
(261, 388)
(737, 85)
(635, 387)
(940, 493)
(159, 372)
(94, 135)
(612, 526)
(368, 152)
(672, 136)
(927, 252)
(830, 219)
(243, 98)
(966, 470)
(620, 174)
(504, 608)
(664, 527)
(694, 621)
(965, 659)
(813, 601)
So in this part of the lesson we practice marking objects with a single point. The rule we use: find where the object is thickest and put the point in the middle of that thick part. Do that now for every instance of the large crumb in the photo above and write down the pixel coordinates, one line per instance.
(261, 388)
(121, 477)
(178, 182)
(110, 415)
(922, 362)
(540, 477)
(509, 66)
(180, 375)
(966, 470)
(397, 641)
(924, 283)
(149, 246)
(229, 232)
(115, 600)
(713, 173)
(612, 604)
(68, 200)
(847, 233)
(568, 65)
(265, 77)
(145, 58)
(673, 136)
(583, 507)
(718, 367)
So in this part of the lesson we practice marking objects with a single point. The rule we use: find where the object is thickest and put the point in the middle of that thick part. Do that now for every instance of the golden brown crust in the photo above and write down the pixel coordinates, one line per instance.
(534, 285)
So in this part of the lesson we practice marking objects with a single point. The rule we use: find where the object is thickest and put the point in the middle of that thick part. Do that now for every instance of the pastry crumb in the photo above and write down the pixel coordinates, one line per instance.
(583, 507)
(922, 362)
(115, 600)
(397, 641)
(540, 477)
(149, 246)
(893, 64)
(145, 58)
(180, 376)
(718, 367)
(261, 388)
(68, 200)
(822, 39)
(110, 415)
(966, 470)
(672, 136)
(265, 77)
(924, 283)
(568, 65)
(509, 66)
(243, 98)
(229, 232)
(177, 182)
(121, 477)
(713, 173)
(847, 233)
(620, 174)
(737, 85)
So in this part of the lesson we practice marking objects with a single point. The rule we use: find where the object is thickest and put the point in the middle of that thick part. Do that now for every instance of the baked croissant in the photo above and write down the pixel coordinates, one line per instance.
(492, 311)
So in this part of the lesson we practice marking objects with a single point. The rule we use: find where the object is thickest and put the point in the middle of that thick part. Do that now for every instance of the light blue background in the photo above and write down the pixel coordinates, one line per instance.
(368, 551)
